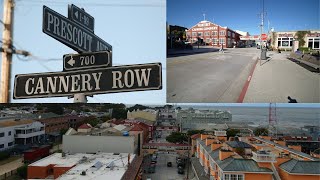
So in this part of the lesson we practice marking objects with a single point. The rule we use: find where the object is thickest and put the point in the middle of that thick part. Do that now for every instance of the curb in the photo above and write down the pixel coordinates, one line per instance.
(246, 85)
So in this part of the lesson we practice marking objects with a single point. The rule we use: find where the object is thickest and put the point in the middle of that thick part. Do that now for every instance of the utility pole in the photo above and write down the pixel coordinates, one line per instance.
(8, 7)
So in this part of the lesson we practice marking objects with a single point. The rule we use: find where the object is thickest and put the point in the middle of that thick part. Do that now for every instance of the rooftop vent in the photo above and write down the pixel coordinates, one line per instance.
(83, 173)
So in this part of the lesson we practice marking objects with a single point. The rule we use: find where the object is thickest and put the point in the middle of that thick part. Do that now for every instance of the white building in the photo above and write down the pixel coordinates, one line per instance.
(82, 166)
(18, 131)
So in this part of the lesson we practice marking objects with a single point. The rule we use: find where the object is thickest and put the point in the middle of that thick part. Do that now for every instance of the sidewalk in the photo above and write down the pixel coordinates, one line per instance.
(278, 78)
(195, 50)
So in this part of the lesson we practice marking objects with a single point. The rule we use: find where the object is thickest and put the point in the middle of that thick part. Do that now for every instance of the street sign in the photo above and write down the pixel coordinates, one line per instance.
(105, 80)
(81, 17)
(70, 33)
(83, 61)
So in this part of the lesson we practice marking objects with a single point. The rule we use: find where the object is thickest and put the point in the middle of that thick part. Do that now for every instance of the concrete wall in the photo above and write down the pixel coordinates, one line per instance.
(93, 144)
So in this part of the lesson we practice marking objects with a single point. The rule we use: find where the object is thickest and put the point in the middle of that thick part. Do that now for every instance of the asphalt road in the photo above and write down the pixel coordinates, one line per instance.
(209, 77)
(167, 173)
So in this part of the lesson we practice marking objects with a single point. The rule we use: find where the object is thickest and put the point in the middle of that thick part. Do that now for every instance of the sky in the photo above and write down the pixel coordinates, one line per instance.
(135, 29)
(283, 15)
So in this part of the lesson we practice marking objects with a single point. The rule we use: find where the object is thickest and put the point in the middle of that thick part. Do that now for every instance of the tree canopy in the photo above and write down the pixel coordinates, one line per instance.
(177, 137)
(261, 131)
(232, 132)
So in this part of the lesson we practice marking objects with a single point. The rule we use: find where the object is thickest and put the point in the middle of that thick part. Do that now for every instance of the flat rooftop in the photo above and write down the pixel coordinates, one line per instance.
(95, 165)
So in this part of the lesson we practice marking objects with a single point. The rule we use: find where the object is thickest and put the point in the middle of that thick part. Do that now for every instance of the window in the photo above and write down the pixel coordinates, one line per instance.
(1, 146)
(214, 33)
(9, 133)
(313, 43)
(233, 177)
(2, 134)
(222, 33)
(285, 42)
(221, 40)
(10, 143)
(229, 33)
(233, 35)
(207, 40)
(199, 33)
(194, 34)
(207, 33)
(215, 41)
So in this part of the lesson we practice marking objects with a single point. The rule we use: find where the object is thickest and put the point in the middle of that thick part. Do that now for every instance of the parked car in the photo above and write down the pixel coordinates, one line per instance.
(169, 164)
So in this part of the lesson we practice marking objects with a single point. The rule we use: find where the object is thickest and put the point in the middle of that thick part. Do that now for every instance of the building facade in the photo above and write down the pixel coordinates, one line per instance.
(20, 132)
(55, 124)
(218, 159)
(204, 119)
(212, 34)
(284, 39)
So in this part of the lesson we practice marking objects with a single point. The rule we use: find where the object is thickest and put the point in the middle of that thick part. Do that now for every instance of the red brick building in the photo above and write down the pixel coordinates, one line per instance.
(55, 124)
(212, 34)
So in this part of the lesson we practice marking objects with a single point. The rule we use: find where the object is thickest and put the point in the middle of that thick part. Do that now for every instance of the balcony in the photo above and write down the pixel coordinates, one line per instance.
(263, 156)
(32, 134)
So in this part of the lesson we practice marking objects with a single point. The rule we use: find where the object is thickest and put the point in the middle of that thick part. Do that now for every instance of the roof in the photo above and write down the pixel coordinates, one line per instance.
(286, 148)
(95, 165)
(136, 127)
(301, 167)
(120, 127)
(233, 164)
(8, 123)
(244, 165)
(238, 144)
(85, 126)
(195, 136)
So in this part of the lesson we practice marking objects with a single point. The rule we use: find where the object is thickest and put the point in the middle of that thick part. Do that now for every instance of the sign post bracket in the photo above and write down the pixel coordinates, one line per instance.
(80, 98)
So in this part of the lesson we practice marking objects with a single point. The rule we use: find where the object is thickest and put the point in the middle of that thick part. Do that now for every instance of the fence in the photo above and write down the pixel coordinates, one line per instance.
(8, 174)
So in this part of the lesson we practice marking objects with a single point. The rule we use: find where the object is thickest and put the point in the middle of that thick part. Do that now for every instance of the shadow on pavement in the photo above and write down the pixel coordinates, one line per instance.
(187, 52)
(262, 62)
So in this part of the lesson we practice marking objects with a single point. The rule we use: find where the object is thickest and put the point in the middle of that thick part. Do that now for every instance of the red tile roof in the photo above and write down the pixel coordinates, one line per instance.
(136, 128)
(84, 126)
(195, 136)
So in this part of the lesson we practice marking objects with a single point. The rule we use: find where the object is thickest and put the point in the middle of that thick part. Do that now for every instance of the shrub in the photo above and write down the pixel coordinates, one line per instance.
(4, 155)
(22, 171)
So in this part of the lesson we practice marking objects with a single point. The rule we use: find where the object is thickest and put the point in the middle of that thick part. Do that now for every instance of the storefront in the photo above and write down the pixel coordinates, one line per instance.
(284, 40)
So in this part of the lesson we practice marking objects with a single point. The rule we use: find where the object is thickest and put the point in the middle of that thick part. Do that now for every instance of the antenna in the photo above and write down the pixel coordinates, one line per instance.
(204, 16)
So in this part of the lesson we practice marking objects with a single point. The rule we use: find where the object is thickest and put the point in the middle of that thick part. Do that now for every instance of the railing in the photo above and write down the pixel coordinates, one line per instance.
(263, 157)
(37, 133)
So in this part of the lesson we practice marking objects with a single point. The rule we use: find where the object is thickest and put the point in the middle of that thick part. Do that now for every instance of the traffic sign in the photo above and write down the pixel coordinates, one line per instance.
(82, 61)
(70, 33)
(264, 37)
(81, 17)
(105, 80)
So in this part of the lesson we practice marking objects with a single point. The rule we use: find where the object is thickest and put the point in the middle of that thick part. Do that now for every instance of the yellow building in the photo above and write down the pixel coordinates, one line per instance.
(150, 115)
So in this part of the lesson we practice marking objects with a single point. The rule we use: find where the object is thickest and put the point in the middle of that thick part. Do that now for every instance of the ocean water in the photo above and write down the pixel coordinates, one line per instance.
(286, 117)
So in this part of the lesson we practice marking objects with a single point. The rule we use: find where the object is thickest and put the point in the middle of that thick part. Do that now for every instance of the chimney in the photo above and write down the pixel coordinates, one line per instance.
(295, 147)
(215, 146)
(204, 136)
(224, 154)
(209, 141)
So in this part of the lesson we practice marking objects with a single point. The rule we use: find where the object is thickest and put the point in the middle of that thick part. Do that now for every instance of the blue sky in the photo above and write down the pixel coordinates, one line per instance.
(242, 15)
(135, 29)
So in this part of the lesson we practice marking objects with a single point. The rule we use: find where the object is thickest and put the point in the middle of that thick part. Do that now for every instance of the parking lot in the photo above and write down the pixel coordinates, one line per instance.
(162, 172)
